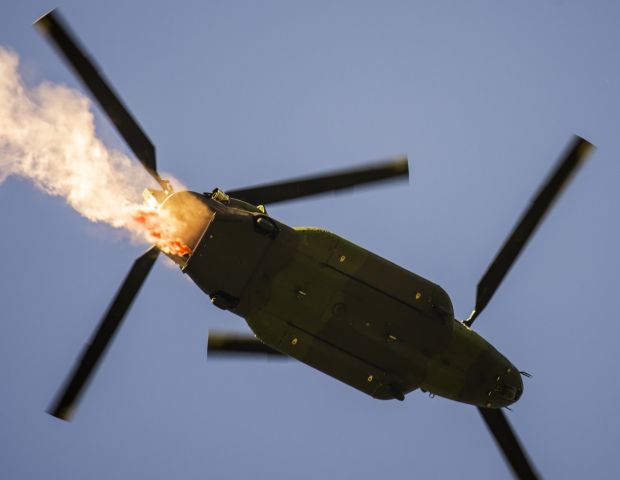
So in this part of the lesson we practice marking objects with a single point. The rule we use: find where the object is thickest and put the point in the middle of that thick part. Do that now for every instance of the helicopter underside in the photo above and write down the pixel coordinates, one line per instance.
(355, 316)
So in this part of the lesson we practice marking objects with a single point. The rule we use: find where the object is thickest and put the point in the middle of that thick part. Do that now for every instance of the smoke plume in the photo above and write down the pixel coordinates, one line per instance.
(47, 135)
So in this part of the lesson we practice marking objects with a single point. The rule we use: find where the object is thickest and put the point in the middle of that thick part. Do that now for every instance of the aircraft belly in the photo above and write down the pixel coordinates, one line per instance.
(337, 307)
(349, 313)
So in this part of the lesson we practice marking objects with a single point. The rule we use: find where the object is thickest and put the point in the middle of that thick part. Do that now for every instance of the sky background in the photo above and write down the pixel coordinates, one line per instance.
(483, 97)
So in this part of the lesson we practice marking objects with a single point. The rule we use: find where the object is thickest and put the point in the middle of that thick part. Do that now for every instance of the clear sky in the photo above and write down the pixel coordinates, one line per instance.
(483, 96)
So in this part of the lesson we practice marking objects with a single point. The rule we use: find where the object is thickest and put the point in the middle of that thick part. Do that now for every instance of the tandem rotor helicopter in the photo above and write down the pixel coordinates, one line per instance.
(308, 294)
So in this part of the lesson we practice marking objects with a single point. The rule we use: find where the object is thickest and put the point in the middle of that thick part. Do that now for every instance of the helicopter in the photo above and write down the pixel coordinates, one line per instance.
(313, 296)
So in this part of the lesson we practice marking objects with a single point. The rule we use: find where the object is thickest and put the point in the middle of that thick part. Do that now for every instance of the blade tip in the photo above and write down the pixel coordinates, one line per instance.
(400, 164)
(581, 149)
(61, 412)
(44, 21)
(583, 145)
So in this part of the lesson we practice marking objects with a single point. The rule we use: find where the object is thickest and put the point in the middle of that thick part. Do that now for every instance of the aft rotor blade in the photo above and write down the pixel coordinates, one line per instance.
(234, 344)
(508, 443)
(67, 398)
(566, 167)
(52, 26)
(395, 168)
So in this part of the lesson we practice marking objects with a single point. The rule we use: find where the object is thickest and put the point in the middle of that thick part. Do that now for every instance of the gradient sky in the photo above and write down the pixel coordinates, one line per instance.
(483, 97)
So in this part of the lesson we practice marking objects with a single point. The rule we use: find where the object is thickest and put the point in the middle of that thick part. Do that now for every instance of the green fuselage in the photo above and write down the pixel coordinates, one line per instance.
(343, 310)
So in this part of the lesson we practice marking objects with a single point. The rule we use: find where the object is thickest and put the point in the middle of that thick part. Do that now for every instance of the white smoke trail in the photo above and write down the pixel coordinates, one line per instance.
(47, 135)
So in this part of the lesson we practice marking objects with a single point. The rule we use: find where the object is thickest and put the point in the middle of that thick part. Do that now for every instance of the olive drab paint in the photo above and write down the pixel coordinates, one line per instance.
(341, 309)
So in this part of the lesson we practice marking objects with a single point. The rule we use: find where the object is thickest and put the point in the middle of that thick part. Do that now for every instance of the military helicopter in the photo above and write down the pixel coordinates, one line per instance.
(313, 296)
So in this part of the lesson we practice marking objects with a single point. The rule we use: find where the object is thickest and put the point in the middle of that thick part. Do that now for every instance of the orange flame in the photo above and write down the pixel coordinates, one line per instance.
(160, 229)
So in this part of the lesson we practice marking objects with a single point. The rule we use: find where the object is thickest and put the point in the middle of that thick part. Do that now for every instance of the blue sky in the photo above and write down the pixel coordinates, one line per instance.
(483, 98)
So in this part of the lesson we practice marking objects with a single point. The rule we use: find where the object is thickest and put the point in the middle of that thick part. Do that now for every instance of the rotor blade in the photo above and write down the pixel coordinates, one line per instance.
(306, 186)
(526, 226)
(508, 443)
(54, 29)
(235, 344)
(67, 398)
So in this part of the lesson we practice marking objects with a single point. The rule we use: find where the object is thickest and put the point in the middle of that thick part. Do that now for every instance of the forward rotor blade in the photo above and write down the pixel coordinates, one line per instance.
(67, 398)
(528, 223)
(508, 443)
(302, 187)
(235, 344)
(54, 29)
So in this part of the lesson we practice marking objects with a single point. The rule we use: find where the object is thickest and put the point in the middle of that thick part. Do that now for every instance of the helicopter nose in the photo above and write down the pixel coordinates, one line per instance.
(507, 390)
